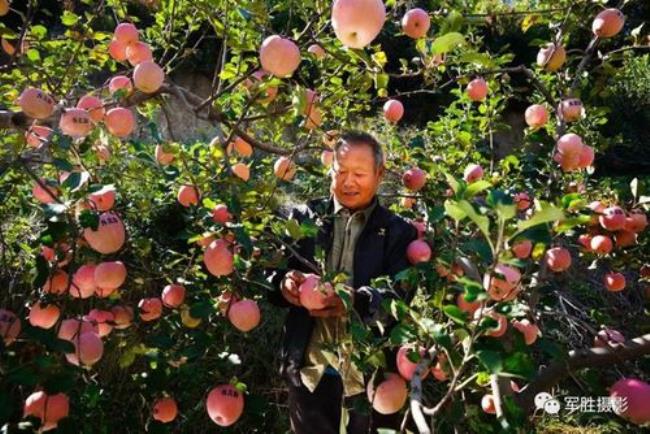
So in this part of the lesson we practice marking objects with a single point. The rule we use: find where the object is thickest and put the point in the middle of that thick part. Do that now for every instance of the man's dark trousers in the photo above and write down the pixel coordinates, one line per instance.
(320, 412)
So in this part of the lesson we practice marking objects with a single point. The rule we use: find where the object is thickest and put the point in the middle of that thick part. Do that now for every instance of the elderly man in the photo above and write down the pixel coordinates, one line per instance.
(364, 240)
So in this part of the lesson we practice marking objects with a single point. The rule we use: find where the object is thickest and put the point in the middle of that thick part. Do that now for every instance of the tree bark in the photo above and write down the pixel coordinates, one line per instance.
(589, 358)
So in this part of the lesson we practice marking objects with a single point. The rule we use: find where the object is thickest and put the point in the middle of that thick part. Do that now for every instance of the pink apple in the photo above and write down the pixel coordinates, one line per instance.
(416, 23)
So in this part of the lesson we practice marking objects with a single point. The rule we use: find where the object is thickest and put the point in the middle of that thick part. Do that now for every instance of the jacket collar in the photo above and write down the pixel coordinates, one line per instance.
(366, 212)
(323, 209)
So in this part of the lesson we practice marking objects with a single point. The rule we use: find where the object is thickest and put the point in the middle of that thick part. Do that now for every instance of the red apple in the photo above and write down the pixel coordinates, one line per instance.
(472, 173)
(614, 282)
(165, 410)
(244, 315)
(357, 23)
(608, 23)
(536, 116)
(225, 404)
(601, 244)
(558, 259)
(477, 89)
(416, 23)
(188, 196)
(637, 395)
(414, 178)
(418, 251)
(393, 110)
(279, 56)
(571, 110)
(173, 295)
(522, 249)
(126, 33)
(612, 218)
(389, 396)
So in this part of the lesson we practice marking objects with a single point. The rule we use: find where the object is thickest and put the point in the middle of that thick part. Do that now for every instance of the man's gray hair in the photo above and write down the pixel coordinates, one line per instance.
(360, 137)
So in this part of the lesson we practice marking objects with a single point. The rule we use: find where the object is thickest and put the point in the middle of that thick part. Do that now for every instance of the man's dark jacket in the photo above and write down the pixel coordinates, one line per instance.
(380, 251)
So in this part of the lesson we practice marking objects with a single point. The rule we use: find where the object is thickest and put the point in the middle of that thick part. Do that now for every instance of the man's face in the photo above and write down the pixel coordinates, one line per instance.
(355, 177)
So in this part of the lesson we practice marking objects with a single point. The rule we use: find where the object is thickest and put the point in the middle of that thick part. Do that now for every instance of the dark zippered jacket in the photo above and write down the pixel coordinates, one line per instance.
(380, 251)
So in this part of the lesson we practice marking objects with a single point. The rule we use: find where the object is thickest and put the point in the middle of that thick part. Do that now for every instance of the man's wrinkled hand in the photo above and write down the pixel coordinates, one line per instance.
(290, 284)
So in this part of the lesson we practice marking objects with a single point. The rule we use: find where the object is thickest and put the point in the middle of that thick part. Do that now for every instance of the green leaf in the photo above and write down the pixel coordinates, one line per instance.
(453, 22)
(23, 375)
(520, 363)
(455, 185)
(38, 31)
(89, 219)
(481, 221)
(454, 211)
(447, 42)
(345, 296)
(33, 55)
(570, 223)
(69, 18)
(475, 188)
(209, 203)
(76, 180)
(61, 164)
(102, 36)
(358, 331)
(506, 212)
(454, 312)
(243, 239)
(293, 229)
(440, 335)
(128, 357)
(570, 198)
(401, 334)
(245, 13)
(380, 59)
(539, 234)
(464, 137)
(498, 197)
(472, 288)
(436, 213)
(376, 359)
(479, 246)
(480, 59)
(309, 229)
(381, 81)
(491, 360)
(397, 308)
(546, 215)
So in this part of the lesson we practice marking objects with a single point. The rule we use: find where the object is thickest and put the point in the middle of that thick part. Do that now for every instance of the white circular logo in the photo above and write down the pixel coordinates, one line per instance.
(541, 398)
(552, 406)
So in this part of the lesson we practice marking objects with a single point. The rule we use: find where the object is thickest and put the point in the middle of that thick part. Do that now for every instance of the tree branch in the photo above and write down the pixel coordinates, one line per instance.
(588, 358)
(416, 395)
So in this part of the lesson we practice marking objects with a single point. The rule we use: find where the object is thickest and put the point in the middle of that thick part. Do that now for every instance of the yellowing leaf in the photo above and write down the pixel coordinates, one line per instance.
(529, 21)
